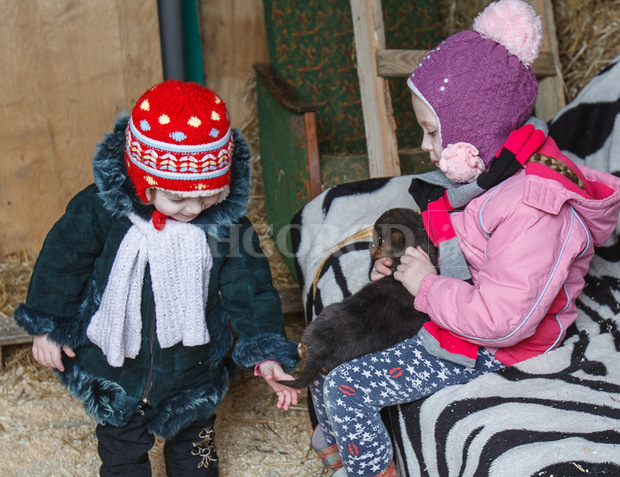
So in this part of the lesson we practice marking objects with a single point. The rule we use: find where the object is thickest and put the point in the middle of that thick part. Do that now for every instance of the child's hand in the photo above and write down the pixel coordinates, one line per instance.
(272, 373)
(381, 268)
(414, 266)
(48, 353)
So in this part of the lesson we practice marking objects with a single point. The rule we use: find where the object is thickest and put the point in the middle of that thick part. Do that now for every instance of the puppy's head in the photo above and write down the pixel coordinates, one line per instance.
(395, 231)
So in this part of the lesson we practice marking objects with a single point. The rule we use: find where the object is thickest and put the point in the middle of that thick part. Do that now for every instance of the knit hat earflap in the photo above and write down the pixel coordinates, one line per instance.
(480, 85)
(179, 139)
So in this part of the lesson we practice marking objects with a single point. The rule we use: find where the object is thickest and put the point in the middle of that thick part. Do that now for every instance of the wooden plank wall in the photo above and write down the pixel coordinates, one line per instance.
(233, 39)
(69, 67)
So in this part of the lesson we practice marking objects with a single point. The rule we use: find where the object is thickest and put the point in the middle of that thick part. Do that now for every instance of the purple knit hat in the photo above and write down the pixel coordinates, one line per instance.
(479, 82)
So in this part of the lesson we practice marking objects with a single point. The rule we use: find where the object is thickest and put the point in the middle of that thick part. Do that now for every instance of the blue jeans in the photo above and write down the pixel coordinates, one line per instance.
(348, 400)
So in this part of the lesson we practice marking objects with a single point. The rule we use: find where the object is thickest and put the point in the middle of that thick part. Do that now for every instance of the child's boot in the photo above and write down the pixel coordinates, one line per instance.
(329, 455)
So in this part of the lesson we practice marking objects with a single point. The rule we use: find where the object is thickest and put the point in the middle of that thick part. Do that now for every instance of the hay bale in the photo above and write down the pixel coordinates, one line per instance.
(15, 271)
(588, 33)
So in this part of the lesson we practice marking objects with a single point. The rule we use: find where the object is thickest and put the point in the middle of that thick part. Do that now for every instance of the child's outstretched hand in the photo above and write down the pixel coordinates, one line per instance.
(272, 372)
(48, 353)
(381, 268)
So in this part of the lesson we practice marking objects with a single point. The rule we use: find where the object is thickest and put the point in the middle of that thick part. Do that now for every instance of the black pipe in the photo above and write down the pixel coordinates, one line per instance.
(170, 15)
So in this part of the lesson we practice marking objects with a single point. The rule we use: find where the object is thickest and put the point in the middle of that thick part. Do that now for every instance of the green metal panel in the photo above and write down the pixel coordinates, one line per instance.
(190, 10)
(284, 166)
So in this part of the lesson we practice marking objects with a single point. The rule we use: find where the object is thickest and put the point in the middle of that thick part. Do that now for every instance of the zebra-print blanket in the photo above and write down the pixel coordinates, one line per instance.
(554, 415)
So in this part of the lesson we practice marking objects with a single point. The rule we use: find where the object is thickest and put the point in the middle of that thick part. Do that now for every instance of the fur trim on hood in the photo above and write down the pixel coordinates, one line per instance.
(119, 195)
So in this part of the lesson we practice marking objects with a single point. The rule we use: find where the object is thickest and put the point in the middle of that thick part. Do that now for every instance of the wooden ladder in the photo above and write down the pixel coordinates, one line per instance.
(375, 63)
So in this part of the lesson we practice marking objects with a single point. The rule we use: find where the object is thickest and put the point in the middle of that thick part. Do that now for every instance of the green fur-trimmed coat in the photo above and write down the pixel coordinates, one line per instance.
(181, 384)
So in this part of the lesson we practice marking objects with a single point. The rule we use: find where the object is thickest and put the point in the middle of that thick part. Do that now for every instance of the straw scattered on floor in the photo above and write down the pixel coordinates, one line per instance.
(45, 432)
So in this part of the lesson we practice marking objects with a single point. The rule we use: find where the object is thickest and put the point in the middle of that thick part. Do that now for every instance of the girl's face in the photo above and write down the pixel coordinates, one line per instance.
(431, 141)
(183, 209)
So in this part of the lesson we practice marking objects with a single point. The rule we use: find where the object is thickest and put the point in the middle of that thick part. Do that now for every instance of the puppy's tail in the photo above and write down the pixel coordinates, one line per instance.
(308, 376)
(298, 383)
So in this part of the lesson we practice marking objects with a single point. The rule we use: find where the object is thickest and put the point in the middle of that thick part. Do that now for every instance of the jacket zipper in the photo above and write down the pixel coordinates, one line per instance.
(144, 400)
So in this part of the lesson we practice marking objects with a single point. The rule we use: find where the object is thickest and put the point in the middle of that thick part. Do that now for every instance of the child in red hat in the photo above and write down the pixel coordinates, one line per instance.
(137, 284)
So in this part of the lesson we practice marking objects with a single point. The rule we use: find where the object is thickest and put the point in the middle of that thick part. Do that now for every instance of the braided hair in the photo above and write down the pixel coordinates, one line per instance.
(557, 166)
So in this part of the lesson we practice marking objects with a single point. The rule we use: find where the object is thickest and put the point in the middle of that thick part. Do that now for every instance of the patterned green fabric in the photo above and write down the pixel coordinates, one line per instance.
(311, 45)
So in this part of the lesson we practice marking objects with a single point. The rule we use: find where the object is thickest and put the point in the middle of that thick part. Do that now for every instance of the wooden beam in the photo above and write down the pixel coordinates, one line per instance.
(379, 124)
(550, 88)
(394, 63)
(312, 151)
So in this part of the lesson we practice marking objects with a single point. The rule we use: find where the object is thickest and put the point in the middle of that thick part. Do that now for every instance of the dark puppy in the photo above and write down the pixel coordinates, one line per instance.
(378, 316)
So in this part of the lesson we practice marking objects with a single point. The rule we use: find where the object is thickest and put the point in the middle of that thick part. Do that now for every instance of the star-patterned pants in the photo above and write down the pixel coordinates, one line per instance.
(348, 400)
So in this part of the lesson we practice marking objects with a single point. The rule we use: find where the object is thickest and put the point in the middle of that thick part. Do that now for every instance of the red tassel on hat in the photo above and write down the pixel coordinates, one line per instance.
(159, 220)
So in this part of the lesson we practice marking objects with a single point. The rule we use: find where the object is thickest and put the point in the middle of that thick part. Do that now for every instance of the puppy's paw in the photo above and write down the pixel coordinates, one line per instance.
(302, 350)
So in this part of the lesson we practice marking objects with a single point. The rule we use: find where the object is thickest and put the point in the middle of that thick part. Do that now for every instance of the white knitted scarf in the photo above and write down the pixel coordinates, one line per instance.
(180, 262)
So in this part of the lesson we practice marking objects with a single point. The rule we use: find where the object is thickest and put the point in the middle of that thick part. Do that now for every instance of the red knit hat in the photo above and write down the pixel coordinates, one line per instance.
(179, 139)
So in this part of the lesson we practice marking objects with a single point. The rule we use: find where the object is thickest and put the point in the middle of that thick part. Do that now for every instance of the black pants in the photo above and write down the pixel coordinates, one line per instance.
(124, 450)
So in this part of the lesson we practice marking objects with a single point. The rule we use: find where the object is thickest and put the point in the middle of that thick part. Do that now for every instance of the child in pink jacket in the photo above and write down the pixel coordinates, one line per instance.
(516, 223)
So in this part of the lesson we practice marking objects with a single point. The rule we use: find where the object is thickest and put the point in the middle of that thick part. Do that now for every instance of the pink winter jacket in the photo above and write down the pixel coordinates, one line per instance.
(528, 243)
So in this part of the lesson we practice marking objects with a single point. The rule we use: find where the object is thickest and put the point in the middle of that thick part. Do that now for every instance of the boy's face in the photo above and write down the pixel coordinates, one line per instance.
(182, 209)
(431, 141)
